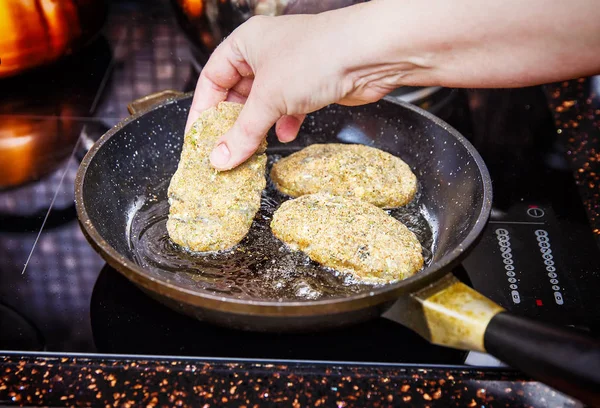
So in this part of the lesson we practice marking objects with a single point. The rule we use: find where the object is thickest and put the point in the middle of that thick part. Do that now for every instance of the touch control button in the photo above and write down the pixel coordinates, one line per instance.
(503, 237)
(535, 212)
(558, 298)
(548, 258)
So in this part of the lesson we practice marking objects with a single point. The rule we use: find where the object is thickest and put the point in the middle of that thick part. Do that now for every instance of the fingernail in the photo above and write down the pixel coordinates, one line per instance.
(220, 155)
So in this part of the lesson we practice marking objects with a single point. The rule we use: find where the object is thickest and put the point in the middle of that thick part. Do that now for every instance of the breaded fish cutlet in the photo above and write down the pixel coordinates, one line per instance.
(349, 170)
(212, 210)
(349, 235)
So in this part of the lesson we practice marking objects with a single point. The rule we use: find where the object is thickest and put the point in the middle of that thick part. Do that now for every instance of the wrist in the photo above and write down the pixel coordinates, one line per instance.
(378, 52)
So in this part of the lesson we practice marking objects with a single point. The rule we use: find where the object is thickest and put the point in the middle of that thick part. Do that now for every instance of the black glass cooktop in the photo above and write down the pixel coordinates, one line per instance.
(537, 257)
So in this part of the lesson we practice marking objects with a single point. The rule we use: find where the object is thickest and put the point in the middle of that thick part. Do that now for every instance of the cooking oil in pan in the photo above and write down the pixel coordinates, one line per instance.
(259, 267)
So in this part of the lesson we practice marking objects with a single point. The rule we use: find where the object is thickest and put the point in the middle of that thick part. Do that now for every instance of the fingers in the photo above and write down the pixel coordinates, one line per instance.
(246, 135)
(239, 93)
(244, 86)
(288, 126)
(224, 70)
(233, 96)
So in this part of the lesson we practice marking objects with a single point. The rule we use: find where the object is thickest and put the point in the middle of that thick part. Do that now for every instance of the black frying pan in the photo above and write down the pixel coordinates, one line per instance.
(121, 203)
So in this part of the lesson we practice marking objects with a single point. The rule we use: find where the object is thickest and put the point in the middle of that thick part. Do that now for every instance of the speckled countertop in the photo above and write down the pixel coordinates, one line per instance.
(53, 380)
(56, 381)
(576, 107)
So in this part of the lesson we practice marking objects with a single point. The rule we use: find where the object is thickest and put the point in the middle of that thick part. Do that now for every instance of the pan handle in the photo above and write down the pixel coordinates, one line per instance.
(151, 100)
(564, 359)
(450, 313)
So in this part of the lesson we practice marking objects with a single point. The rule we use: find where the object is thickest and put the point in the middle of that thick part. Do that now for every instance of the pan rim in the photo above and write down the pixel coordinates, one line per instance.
(275, 307)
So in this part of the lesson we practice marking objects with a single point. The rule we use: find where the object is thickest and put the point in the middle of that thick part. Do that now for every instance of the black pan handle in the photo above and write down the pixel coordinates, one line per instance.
(565, 359)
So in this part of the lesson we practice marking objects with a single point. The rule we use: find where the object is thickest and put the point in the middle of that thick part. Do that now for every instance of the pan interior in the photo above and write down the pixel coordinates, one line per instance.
(124, 194)
(261, 266)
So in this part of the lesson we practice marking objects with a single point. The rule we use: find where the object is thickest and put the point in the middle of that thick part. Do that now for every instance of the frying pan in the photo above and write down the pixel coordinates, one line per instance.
(135, 160)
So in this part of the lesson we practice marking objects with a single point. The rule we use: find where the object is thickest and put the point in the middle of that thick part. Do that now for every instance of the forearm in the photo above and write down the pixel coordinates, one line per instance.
(472, 43)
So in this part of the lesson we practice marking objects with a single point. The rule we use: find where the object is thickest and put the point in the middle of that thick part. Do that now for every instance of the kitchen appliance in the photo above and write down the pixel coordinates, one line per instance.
(34, 33)
(41, 114)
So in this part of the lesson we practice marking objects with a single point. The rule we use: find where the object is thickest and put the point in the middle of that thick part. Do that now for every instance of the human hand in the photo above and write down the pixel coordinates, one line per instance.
(282, 68)
(287, 66)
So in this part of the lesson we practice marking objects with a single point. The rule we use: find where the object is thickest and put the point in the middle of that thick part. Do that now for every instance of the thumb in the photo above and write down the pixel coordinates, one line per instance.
(246, 135)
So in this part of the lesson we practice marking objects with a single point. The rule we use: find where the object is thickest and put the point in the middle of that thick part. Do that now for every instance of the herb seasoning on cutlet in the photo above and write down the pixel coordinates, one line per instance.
(212, 210)
(349, 170)
(349, 235)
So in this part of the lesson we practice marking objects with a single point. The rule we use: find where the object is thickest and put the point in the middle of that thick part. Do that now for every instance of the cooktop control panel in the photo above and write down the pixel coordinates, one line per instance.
(523, 264)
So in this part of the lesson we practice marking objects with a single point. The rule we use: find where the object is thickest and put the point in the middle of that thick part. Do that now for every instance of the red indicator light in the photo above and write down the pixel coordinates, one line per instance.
(538, 302)
(532, 206)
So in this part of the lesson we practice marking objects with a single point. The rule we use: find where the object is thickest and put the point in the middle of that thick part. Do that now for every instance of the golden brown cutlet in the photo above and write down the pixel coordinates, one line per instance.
(349, 235)
(349, 170)
(212, 210)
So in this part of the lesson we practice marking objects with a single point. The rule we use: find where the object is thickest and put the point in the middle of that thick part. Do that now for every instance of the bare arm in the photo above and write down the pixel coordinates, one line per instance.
(470, 43)
(284, 67)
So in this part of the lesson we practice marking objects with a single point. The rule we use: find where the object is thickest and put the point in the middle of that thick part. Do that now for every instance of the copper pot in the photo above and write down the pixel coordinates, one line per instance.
(41, 114)
(38, 32)
(31, 148)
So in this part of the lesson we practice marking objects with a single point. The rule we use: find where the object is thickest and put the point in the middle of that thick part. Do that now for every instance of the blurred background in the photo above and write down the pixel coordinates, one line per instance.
(68, 69)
